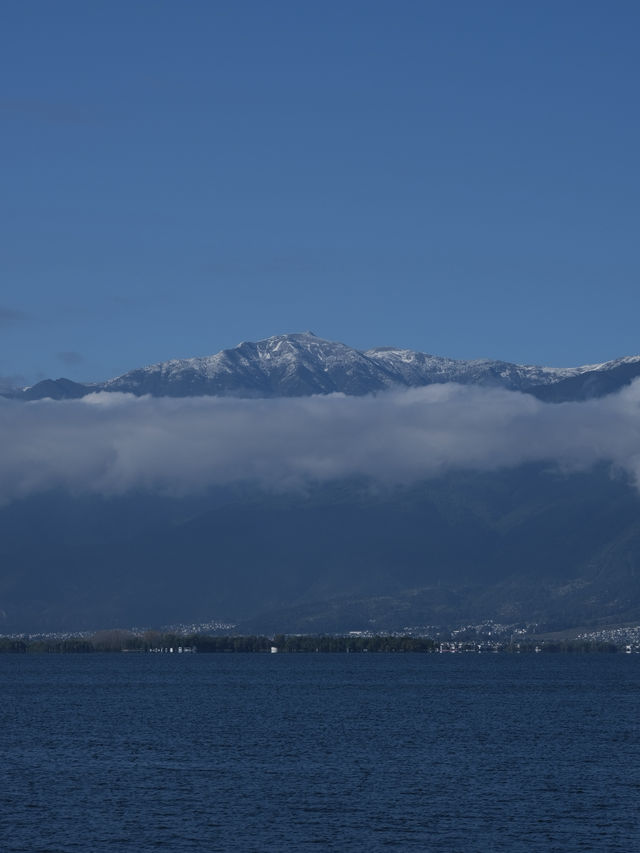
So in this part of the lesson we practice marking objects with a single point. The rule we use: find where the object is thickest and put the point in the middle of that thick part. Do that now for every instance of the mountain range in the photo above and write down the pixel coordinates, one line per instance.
(302, 364)
(528, 543)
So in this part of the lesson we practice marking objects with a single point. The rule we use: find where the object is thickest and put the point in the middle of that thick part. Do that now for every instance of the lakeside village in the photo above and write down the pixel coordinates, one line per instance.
(212, 637)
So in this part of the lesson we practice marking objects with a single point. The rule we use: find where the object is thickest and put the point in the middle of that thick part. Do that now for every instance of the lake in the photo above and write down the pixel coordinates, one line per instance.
(349, 752)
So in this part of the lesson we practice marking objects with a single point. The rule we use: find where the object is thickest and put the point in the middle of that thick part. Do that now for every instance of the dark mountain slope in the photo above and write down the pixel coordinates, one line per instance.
(525, 544)
(588, 385)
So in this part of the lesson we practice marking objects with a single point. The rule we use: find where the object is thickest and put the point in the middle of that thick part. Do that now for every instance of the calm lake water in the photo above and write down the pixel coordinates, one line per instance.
(320, 752)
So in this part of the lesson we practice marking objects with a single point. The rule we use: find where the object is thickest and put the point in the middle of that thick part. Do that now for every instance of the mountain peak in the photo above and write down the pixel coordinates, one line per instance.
(301, 364)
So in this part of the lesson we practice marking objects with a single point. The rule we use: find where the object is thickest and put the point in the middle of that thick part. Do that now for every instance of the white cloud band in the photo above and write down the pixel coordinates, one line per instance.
(113, 443)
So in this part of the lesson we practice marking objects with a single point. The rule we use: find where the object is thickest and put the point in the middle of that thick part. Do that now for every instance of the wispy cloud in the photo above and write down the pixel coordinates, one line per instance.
(70, 357)
(10, 317)
(41, 109)
(112, 443)
(11, 383)
(294, 263)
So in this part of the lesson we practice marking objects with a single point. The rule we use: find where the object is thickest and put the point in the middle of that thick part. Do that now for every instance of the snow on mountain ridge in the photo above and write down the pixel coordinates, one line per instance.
(538, 375)
(310, 364)
(302, 364)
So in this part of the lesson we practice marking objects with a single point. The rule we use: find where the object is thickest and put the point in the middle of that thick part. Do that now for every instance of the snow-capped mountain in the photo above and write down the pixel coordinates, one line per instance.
(301, 364)
(517, 543)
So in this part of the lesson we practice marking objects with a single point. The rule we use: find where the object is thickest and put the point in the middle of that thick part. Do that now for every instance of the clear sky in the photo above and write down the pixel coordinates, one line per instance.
(456, 177)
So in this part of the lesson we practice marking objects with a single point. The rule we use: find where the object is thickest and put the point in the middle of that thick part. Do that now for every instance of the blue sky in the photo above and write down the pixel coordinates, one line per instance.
(455, 177)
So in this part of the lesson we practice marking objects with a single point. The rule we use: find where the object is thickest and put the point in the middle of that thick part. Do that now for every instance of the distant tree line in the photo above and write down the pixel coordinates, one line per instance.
(119, 641)
(127, 641)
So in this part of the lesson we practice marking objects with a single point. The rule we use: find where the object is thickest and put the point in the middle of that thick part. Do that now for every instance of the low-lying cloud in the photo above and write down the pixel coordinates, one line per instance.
(114, 443)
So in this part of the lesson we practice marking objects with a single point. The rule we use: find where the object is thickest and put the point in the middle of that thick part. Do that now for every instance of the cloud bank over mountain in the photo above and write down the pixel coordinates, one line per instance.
(112, 443)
